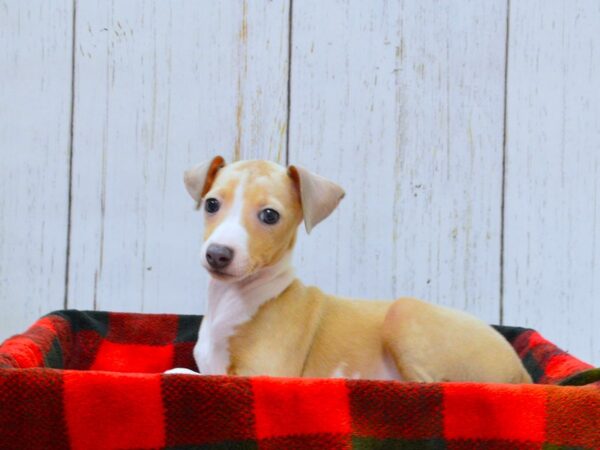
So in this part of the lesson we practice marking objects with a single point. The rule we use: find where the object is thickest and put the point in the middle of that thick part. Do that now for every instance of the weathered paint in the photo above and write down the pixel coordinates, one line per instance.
(35, 112)
(392, 103)
(161, 88)
(552, 208)
(403, 103)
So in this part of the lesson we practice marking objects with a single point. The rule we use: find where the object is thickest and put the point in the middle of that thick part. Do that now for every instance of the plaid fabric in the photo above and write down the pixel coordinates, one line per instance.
(65, 384)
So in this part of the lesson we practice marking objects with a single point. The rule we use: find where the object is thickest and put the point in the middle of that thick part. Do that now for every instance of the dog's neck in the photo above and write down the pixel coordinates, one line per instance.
(233, 303)
(254, 290)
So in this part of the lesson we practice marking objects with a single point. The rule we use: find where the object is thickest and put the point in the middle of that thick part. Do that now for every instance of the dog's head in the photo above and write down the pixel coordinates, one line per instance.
(252, 210)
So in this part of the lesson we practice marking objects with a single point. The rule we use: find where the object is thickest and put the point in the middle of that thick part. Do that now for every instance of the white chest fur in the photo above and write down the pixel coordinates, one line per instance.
(230, 305)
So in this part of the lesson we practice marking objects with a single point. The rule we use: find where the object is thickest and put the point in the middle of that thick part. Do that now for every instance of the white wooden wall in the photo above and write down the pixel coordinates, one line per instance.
(466, 134)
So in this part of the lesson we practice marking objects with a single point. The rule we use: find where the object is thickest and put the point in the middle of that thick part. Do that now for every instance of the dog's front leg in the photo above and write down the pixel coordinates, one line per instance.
(181, 370)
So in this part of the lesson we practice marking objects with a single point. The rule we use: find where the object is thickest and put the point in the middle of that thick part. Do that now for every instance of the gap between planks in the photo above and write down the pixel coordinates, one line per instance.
(503, 181)
(70, 149)
(289, 82)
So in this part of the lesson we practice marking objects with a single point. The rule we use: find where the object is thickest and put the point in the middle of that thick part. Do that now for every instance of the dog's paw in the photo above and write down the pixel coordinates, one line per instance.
(181, 370)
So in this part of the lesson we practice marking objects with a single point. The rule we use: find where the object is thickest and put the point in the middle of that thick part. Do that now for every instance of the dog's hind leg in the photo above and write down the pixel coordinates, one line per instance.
(432, 343)
(407, 339)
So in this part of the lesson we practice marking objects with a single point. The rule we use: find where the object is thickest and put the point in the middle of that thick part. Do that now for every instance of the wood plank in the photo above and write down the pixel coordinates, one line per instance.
(160, 87)
(35, 94)
(552, 248)
(402, 104)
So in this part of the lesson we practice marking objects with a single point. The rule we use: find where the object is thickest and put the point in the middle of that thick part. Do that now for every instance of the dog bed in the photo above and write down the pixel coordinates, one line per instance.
(93, 380)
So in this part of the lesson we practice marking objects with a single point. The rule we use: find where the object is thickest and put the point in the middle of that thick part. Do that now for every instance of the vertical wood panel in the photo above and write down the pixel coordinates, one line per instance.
(402, 103)
(35, 99)
(552, 250)
(160, 87)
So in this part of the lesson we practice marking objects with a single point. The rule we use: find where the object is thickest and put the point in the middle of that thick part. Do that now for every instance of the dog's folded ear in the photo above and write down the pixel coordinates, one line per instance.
(318, 195)
(200, 178)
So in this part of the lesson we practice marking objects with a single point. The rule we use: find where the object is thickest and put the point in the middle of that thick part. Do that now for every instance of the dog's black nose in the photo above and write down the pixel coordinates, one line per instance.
(218, 256)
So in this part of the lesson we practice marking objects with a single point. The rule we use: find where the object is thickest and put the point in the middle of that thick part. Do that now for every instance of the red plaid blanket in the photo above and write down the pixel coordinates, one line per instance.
(65, 384)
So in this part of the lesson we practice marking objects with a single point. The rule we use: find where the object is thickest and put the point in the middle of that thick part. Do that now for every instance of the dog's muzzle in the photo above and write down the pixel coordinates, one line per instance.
(219, 256)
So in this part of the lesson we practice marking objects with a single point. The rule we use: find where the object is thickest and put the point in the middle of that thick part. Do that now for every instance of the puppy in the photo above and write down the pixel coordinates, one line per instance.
(261, 320)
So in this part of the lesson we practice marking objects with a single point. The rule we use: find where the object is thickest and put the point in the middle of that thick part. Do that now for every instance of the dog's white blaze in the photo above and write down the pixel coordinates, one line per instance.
(231, 233)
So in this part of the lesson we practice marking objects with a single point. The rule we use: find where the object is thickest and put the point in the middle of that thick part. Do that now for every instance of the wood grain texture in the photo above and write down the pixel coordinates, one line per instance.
(35, 99)
(552, 245)
(160, 87)
(402, 104)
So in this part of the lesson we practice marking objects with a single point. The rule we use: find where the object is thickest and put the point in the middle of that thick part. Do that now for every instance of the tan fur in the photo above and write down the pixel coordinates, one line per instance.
(268, 244)
(435, 343)
(304, 332)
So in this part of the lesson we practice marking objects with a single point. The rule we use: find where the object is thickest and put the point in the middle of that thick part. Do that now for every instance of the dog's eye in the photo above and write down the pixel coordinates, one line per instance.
(269, 216)
(211, 205)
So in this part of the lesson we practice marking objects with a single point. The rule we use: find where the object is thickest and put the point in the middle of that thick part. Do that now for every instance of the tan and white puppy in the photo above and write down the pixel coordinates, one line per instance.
(261, 320)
